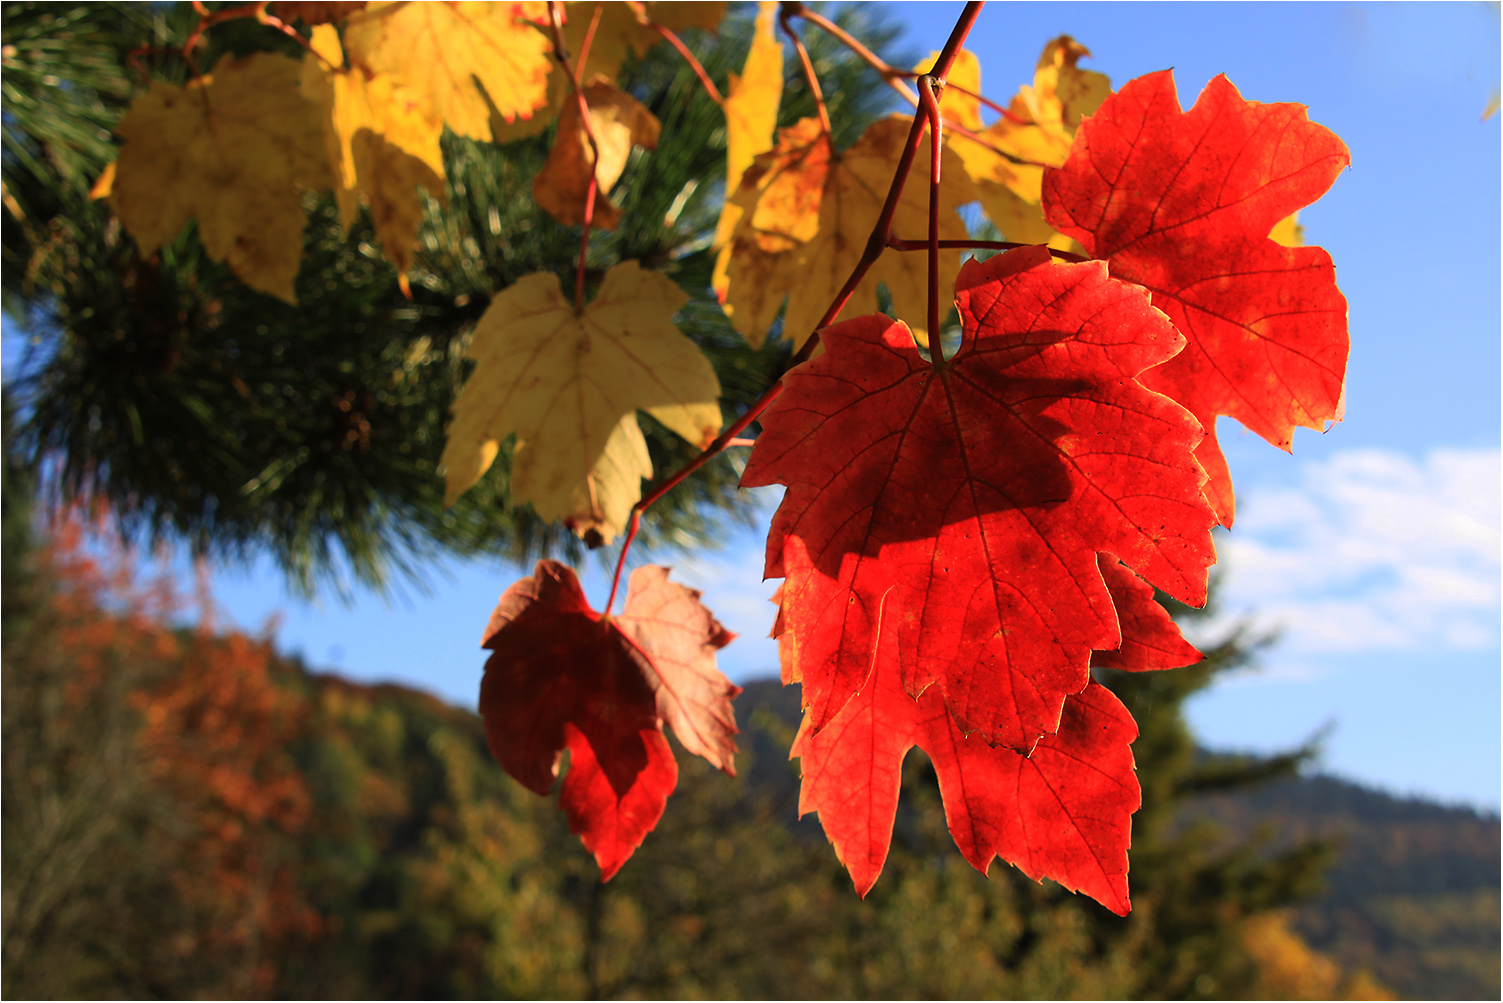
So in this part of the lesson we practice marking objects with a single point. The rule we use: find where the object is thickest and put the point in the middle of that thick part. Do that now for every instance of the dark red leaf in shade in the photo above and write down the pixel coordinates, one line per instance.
(1182, 203)
(564, 677)
(967, 505)
(1062, 812)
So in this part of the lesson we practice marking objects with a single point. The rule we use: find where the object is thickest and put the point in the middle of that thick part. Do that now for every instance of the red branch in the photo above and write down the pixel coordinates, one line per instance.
(808, 65)
(699, 70)
(875, 245)
(931, 112)
(899, 244)
(561, 53)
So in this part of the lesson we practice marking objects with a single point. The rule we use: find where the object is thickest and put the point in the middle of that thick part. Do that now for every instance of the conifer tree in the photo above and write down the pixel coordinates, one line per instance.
(205, 412)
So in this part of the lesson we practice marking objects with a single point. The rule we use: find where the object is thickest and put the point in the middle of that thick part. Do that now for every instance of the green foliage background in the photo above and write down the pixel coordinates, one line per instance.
(206, 412)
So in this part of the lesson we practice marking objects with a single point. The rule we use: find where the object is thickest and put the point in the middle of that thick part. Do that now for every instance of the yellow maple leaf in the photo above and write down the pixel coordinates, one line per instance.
(381, 147)
(618, 32)
(451, 57)
(568, 383)
(231, 149)
(618, 122)
(1039, 128)
(769, 260)
(751, 118)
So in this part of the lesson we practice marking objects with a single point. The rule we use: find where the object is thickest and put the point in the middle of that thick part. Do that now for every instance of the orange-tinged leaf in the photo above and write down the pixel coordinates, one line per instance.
(781, 194)
(564, 677)
(1039, 129)
(381, 147)
(232, 150)
(618, 122)
(104, 185)
(1184, 204)
(449, 57)
(971, 503)
(568, 384)
(771, 258)
(751, 118)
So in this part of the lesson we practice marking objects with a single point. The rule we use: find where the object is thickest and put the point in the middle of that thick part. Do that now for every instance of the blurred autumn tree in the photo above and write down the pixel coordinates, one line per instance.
(203, 411)
(187, 814)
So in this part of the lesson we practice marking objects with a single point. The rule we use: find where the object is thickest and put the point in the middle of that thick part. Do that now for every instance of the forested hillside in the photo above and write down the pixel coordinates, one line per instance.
(188, 814)
(1412, 894)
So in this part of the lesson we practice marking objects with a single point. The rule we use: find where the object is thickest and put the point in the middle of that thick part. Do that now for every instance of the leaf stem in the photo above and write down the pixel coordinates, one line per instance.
(899, 244)
(808, 65)
(890, 75)
(930, 104)
(561, 53)
(694, 64)
(875, 245)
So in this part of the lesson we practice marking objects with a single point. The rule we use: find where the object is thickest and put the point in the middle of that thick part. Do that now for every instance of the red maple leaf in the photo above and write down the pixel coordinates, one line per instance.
(956, 511)
(1061, 812)
(1182, 203)
(565, 677)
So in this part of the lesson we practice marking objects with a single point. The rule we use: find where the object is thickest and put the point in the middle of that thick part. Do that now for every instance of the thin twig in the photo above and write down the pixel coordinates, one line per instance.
(875, 245)
(809, 74)
(930, 107)
(899, 244)
(892, 76)
(561, 53)
(699, 70)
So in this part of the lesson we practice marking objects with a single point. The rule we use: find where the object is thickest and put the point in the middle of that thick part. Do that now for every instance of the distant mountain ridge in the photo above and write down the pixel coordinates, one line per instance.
(1413, 895)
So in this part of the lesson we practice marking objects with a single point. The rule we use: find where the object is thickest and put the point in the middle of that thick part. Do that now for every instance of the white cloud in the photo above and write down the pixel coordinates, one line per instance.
(1372, 550)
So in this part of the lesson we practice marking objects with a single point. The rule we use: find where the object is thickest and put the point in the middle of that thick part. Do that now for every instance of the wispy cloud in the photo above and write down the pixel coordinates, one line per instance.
(1371, 550)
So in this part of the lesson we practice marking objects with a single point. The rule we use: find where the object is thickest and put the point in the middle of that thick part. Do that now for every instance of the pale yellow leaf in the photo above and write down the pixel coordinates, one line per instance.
(231, 149)
(381, 146)
(443, 54)
(568, 384)
(618, 122)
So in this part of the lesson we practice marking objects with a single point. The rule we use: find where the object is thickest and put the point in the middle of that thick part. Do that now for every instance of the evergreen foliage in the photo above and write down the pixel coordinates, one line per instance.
(203, 411)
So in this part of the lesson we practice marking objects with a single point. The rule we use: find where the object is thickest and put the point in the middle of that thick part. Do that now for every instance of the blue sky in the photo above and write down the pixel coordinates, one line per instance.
(1374, 548)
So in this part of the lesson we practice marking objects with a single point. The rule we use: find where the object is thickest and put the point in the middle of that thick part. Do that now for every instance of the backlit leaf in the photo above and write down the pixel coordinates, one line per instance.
(621, 31)
(564, 677)
(568, 384)
(1061, 812)
(231, 150)
(618, 122)
(751, 118)
(449, 57)
(1038, 128)
(381, 147)
(792, 186)
(1183, 203)
(970, 503)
